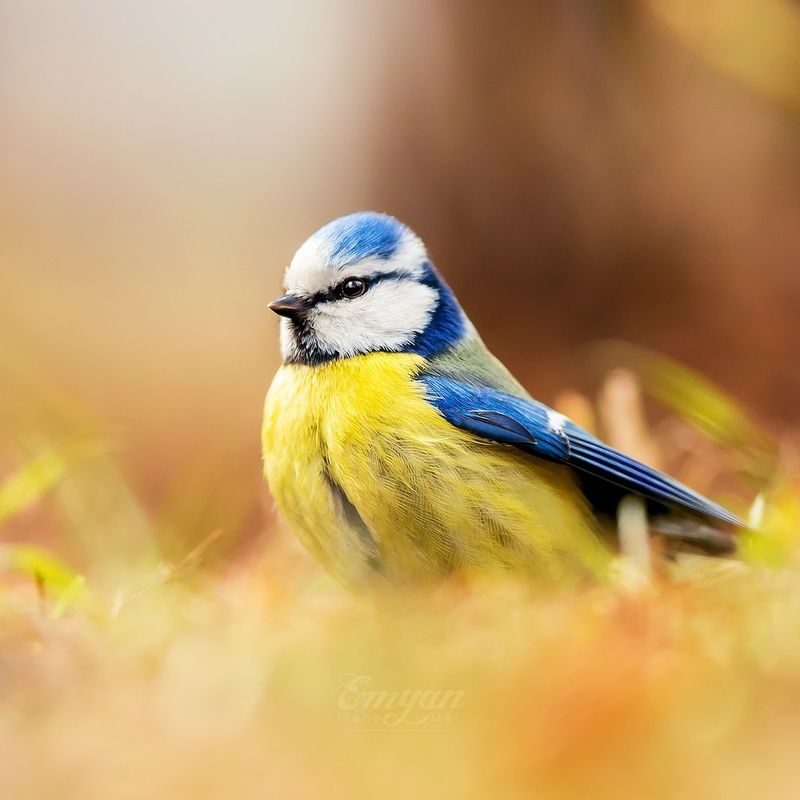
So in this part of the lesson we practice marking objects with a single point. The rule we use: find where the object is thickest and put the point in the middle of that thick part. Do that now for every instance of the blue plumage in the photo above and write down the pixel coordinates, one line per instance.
(446, 326)
(536, 429)
(361, 235)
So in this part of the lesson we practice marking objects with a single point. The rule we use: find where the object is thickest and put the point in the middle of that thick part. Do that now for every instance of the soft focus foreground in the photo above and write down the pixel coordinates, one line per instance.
(237, 670)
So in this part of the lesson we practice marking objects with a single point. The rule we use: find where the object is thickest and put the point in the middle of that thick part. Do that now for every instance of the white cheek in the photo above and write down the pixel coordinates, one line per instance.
(387, 317)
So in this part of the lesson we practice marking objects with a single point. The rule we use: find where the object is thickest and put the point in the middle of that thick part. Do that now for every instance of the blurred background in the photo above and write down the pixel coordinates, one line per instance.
(580, 171)
(612, 189)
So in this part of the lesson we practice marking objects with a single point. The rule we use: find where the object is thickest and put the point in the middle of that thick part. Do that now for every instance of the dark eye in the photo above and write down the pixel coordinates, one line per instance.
(352, 287)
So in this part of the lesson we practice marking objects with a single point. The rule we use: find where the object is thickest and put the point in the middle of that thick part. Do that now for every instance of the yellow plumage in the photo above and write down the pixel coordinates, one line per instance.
(378, 485)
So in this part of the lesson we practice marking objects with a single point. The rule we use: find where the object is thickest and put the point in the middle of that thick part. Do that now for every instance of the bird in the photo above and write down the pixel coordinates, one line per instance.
(401, 452)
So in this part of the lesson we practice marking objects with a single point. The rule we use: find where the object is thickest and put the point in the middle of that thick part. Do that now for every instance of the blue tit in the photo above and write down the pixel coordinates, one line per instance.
(400, 450)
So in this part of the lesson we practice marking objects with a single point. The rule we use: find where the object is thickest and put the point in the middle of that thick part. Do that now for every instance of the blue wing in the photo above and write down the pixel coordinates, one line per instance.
(537, 429)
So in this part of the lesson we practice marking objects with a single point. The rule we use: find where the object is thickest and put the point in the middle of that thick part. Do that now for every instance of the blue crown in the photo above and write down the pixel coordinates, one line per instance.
(365, 234)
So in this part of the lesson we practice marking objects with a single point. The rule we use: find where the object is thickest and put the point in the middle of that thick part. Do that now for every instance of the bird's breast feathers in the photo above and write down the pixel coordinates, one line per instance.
(375, 481)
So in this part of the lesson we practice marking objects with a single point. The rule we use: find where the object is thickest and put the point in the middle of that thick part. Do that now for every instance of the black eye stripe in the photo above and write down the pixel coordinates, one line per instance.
(332, 294)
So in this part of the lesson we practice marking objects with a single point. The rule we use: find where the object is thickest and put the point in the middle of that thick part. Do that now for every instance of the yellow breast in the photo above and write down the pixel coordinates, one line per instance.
(371, 477)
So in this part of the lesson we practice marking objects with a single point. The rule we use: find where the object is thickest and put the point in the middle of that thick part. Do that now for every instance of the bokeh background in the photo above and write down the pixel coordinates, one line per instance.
(586, 175)
(579, 171)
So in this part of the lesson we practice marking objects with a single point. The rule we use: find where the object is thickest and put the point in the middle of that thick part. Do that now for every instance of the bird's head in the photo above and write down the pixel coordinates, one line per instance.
(363, 283)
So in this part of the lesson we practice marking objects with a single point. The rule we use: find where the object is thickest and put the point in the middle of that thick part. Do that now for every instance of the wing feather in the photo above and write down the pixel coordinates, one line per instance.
(536, 429)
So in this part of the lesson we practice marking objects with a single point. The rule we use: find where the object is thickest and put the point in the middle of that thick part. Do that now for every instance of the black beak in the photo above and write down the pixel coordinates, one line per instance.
(290, 305)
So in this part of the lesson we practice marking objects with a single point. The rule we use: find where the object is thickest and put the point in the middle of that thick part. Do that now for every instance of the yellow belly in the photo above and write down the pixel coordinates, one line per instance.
(357, 435)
